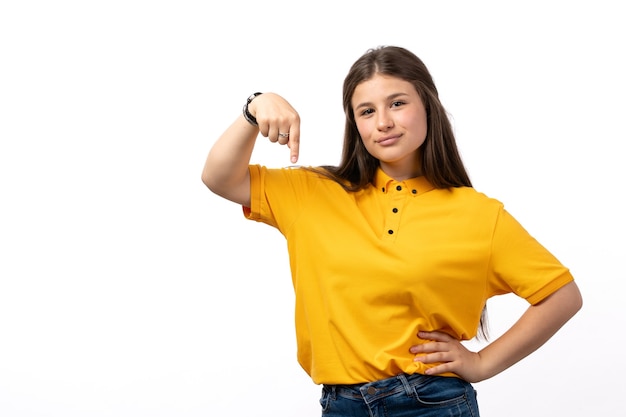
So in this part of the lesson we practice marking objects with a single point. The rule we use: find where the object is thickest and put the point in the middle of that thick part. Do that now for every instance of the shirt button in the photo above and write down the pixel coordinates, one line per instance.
(414, 191)
(390, 231)
(395, 210)
(371, 390)
(399, 187)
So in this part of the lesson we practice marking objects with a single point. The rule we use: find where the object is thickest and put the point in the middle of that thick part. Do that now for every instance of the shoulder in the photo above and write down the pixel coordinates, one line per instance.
(293, 171)
(309, 173)
(302, 177)
(470, 196)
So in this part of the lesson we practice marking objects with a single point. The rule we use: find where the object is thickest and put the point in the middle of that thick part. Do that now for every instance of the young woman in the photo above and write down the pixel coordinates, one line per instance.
(393, 254)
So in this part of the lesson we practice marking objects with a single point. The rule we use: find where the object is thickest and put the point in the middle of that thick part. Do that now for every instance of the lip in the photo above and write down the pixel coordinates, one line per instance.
(388, 140)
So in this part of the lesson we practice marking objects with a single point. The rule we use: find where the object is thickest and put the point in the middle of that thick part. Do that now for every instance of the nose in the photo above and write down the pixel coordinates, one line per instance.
(385, 122)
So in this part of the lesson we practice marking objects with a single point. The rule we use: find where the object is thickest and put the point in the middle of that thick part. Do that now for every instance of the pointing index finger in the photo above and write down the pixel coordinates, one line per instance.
(294, 143)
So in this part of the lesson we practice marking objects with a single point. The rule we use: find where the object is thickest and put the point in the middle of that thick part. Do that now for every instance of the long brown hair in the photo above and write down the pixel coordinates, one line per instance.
(441, 162)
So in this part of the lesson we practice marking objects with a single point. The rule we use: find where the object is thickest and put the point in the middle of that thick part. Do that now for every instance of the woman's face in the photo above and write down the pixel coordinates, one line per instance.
(391, 120)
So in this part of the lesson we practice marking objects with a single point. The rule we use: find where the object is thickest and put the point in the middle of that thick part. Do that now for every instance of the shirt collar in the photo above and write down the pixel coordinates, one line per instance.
(416, 186)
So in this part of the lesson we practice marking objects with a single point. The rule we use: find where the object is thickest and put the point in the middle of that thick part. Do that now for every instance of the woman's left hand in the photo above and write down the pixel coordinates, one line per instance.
(452, 354)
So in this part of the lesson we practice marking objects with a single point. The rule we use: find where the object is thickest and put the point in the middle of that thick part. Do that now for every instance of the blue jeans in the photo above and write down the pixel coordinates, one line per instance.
(401, 396)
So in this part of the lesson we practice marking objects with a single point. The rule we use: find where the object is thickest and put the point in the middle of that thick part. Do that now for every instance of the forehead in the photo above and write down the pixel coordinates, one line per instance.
(381, 86)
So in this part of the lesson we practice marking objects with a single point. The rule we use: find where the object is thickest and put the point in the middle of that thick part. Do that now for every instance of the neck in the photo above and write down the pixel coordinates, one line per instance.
(400, 173)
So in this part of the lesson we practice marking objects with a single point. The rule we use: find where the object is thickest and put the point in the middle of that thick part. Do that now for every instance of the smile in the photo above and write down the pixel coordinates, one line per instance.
(388, 140)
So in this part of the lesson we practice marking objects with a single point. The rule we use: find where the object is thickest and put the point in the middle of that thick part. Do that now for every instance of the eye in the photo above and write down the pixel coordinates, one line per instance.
(365, 112)
(397, 103)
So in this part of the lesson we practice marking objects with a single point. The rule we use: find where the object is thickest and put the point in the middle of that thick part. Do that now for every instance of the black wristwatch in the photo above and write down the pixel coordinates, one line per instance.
(246, 113)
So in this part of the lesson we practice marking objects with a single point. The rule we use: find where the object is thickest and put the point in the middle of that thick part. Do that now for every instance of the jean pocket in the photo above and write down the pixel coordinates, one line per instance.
(441, 392)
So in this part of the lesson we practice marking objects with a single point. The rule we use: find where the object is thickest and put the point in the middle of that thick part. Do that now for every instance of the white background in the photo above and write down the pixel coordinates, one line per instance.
(128, 289)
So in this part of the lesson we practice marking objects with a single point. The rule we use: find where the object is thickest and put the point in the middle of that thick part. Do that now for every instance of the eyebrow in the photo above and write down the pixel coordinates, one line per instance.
(389, 98)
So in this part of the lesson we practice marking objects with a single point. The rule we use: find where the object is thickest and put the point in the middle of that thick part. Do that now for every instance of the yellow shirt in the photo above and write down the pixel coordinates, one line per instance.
(370, 269)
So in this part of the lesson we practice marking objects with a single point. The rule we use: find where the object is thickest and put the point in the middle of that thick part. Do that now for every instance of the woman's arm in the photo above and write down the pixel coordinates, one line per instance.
(538, 324)
(226, 168)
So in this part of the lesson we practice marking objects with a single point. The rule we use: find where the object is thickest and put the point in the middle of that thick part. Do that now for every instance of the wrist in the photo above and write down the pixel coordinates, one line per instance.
(250, 118)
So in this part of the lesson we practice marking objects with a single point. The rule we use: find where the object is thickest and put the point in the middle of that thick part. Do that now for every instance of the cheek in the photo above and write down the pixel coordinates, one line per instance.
(416, 126)
(364, 133)
(363, 129)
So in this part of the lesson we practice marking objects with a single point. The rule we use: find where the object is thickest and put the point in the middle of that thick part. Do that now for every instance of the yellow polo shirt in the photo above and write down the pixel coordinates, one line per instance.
(370, 269)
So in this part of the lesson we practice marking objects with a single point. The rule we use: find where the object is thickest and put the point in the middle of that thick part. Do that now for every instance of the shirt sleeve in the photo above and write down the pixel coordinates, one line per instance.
(277, 195)
(520, 264)
(257, 176)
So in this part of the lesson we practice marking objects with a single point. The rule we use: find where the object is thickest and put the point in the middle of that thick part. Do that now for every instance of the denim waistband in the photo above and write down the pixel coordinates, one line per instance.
(372, 391)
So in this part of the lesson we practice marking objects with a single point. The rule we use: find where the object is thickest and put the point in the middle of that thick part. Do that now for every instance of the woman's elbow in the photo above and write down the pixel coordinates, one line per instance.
(210, 182)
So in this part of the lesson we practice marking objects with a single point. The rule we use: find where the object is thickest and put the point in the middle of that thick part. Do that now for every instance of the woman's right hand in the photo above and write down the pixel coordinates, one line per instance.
(278, 121)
